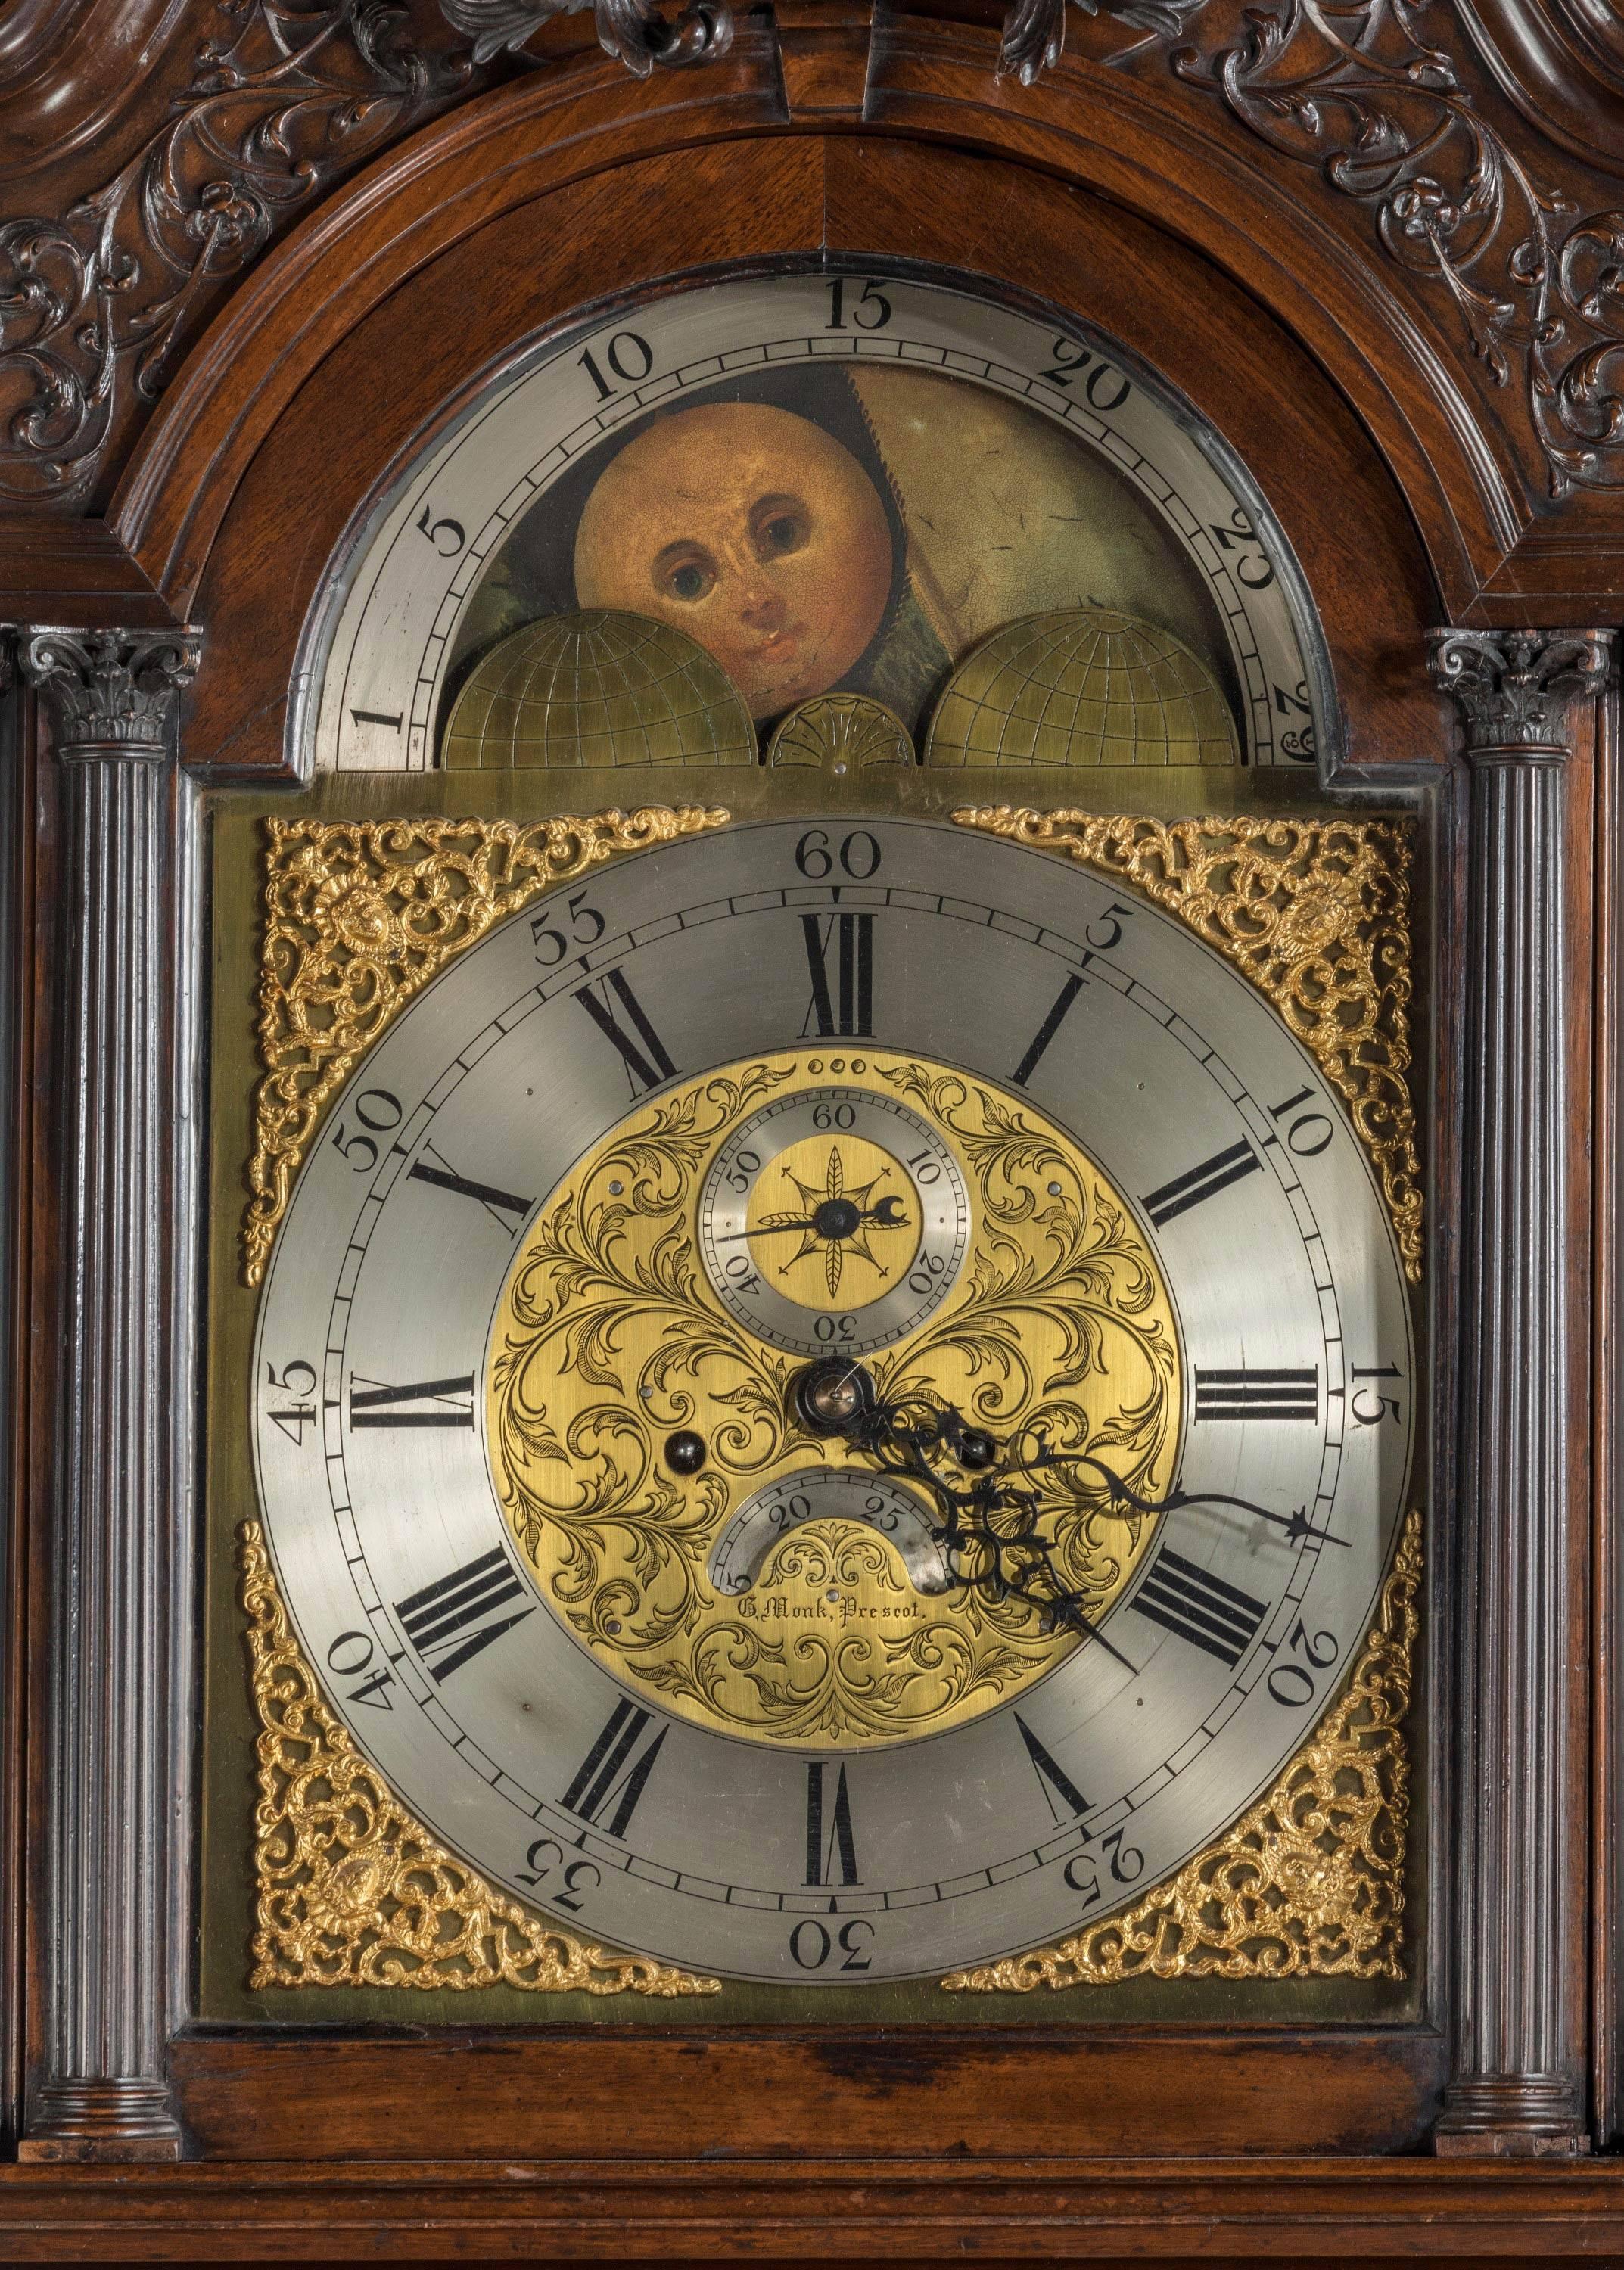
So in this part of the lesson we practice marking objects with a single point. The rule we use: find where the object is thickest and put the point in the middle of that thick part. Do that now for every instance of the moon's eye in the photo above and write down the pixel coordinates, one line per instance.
(781, 525)
(685, 573)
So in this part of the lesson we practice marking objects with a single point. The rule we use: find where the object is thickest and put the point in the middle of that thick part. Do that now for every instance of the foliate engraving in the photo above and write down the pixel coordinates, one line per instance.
(1309, 1883)
(1316, 913)
(112, 692)
(352, 1890)
(639, 35)
(358, 916)
(1516, 688)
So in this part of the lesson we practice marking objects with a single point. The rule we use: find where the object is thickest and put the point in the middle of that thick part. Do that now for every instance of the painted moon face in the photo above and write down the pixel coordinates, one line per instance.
(754, 531)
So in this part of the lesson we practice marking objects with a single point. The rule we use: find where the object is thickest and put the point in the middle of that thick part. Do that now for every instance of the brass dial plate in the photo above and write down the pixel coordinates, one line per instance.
(1025, 980)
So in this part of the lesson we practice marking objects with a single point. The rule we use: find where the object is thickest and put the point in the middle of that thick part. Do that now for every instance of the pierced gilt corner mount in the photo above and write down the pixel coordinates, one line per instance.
(351, 1889)
(359, 915)
(1309, 1883)
(1317, 914)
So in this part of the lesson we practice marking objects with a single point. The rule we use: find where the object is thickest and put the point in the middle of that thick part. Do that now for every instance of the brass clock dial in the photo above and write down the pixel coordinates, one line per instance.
(843, 1626)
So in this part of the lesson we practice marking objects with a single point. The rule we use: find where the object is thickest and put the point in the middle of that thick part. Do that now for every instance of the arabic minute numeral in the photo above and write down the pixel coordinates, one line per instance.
(615, 1771)
(298, 1379)
(378, 1111)
(586, 927)
(859, 856)
(575, 1878)
(1377, 1405)
(1125, 1862)
(1308, 1133)
(1293, 1684)
(1104, 388)
(349, 1655)
(869, 310)
(629, 357)
(1252, 565)
(449, 1621)
(811, 1945)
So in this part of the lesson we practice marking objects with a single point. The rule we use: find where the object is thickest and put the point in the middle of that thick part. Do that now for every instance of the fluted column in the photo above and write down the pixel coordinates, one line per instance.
(114, 1863)
(1518, 1936)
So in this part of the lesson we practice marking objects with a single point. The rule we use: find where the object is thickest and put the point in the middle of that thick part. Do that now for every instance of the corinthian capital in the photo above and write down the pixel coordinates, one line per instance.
(1516, 688)
(112, 692)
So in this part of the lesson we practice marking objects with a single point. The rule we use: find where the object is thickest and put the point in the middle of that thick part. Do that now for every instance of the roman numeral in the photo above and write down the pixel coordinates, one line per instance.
(1047, 1030)
(1053, 1779)
(646, 1070)
(1258, 1394)
(847, 1007)
(436, 1619)
(1203, 1182)
(505, 1210)
(1213, 1615)
(371, 1406)
(829, 1829)
(614, 1771)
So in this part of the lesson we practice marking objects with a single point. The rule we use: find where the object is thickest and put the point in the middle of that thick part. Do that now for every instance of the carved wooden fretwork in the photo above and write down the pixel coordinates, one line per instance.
(1309, 1883)
(351, 1889)
(283, 101)
(1382, 116)
(359, 915)
(1317, 914)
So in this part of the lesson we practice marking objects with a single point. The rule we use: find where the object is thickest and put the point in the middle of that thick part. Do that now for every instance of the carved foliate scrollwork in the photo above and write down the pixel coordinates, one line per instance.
(112, 692)
(293, 97)
(1516, 688)
(640, 36)
(1355, 92)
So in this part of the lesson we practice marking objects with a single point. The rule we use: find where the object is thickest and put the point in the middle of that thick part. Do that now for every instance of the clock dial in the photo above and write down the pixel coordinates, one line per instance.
(816, 1660)
(827, 481)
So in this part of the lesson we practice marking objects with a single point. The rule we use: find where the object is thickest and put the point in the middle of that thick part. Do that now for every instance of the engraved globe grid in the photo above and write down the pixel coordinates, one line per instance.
(809, 1860)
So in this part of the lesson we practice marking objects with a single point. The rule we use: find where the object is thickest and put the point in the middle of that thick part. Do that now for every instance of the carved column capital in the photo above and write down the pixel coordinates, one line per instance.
(112, 692)
(1517, 689)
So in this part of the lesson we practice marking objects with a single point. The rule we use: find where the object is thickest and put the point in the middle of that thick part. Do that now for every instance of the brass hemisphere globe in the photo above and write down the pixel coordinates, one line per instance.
(1082, 685)
(597, 689)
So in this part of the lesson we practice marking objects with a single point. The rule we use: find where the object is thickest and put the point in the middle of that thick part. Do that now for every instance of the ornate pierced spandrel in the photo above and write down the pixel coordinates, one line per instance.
(359, 915)
(351, 1889)
(1309, 1883)
(1317, 914)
